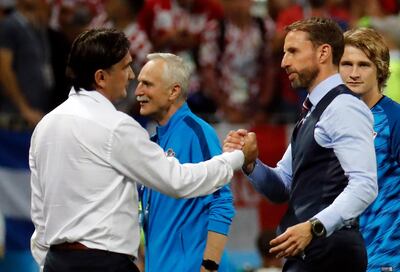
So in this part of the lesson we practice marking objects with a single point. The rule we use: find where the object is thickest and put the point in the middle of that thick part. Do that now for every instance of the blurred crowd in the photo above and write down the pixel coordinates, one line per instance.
(234, 47)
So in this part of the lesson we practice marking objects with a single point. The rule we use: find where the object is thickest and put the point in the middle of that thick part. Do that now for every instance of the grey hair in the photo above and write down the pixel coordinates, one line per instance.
(176, 70)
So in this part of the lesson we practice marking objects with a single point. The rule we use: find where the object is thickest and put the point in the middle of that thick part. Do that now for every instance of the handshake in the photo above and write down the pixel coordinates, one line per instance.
(246, 141)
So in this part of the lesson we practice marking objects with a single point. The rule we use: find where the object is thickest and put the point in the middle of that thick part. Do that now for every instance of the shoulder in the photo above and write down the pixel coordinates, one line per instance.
(348, 104)
(391, 110)
(124, 118)
(347, 115)
(203, 134)
(198, 125)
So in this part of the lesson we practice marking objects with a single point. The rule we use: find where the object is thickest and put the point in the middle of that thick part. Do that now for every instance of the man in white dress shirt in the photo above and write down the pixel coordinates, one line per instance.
(86, 157)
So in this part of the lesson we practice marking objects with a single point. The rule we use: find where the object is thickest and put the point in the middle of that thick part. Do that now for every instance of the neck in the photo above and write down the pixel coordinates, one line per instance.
(371, 98)
(323, 74)
(167, 114)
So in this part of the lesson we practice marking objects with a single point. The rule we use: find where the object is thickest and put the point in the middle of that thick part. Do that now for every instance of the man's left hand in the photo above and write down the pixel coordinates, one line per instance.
(293, 241)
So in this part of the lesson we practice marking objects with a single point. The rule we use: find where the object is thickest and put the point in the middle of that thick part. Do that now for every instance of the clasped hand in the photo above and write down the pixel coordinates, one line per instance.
(246, 141)
(295, 239)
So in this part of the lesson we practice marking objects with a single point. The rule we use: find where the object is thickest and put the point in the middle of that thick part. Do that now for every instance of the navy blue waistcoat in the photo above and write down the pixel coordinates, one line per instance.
(317, 176)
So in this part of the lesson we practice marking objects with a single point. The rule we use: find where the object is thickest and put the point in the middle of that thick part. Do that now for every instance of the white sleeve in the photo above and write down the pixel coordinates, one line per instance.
(138, 158)
(346, 126)
(38, 247)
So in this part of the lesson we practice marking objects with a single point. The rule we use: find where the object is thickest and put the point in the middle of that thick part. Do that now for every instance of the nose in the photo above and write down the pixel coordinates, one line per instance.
(354, 73)
(131, 74)
(284, 62)
(138, 90)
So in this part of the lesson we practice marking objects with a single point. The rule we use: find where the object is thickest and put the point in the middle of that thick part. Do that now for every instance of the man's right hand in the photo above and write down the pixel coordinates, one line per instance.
(247, 142)
(250, 150)
(234, 140)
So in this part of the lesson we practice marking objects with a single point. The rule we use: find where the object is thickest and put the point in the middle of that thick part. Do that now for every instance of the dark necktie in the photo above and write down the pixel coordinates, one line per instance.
(305, 108)
(307, 105)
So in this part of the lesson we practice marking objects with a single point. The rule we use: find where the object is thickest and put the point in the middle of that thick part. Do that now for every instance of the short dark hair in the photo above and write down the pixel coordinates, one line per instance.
(92, 50)
(322, 31)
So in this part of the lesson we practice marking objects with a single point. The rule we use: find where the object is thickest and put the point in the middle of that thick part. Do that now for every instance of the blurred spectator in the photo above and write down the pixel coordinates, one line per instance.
(177, 26)
(375, 8)
(122, 14)
(275, 7)
(269, 262)
(66, 19)
(71, 17)
(363, 11)
(235, 61)
(59, 48)
(26, 77)
(389, 27)
(311, 8)
(390, 7)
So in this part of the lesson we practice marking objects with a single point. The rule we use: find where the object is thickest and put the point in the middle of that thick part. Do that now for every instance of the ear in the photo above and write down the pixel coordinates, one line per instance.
(100, 78)
(324, 53)
(176, 92)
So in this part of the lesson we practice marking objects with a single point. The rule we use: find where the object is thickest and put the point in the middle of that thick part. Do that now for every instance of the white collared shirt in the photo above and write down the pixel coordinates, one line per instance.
(85, 158)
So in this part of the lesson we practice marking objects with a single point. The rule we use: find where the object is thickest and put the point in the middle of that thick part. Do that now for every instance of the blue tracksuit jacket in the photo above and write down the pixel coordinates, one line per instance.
(380, 223)
(176, 229)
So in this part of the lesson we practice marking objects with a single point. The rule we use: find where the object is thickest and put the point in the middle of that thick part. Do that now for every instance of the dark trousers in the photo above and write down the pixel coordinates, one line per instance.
(343, 251)
(90, 260)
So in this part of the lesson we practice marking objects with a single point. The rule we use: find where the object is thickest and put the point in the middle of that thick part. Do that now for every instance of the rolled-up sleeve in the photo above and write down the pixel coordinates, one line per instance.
(141, 160)
(347, 126)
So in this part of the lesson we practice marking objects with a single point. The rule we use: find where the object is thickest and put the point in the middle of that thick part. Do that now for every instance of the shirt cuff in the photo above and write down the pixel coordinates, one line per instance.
(218, 227)
(330, 219)
(235, 159)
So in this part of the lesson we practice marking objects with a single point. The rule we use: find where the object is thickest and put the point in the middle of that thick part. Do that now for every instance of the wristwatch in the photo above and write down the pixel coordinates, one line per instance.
(317, 228)
(210, 265)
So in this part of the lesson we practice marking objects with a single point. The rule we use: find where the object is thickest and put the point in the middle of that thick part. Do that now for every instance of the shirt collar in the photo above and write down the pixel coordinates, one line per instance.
(324, 87)
(95, 95)
(179, 114)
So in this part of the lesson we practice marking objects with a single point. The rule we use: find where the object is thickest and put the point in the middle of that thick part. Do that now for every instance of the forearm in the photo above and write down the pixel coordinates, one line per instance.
(349, 133)
(12, 90)
(214, 247)
(267, 181)
(167, 175)
(8, 80)
(354, 199)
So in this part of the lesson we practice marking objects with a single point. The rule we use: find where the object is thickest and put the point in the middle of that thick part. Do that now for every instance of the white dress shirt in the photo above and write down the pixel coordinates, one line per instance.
(346, 126)
(85, 158)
